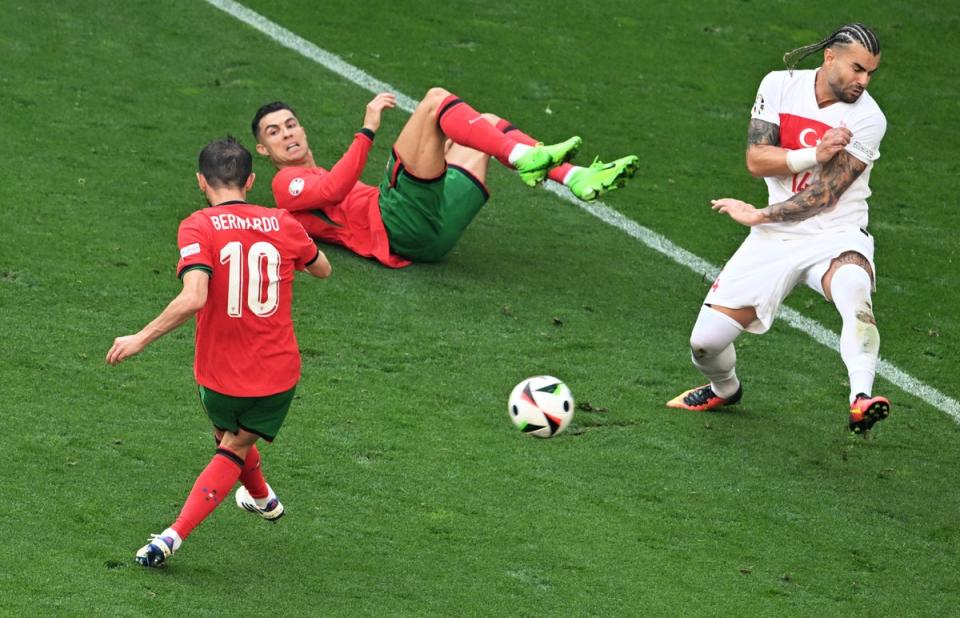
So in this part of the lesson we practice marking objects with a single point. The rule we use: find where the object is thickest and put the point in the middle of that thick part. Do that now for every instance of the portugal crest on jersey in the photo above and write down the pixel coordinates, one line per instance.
(296, 187)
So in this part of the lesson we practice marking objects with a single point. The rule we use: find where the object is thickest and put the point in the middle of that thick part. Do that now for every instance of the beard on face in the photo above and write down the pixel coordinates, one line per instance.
(850, 94)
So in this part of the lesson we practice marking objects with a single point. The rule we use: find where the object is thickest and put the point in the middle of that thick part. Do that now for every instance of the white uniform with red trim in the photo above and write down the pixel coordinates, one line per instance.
(777, 256)
(790, 101)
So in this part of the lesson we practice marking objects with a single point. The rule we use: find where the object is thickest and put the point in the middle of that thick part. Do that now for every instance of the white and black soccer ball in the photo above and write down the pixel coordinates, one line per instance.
(541, 406)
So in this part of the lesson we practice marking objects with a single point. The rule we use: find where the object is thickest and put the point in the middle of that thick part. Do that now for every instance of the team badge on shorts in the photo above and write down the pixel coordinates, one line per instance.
(296, 187)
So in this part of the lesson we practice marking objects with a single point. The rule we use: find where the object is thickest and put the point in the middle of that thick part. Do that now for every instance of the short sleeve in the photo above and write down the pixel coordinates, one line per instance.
(766, 107)
(195, 242)
(868, 132)
(302, 245)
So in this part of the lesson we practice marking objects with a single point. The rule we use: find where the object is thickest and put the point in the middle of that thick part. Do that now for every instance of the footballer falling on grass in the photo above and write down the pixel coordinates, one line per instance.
(541, 406)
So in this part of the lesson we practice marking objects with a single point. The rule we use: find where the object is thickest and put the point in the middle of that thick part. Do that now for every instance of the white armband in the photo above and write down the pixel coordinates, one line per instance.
(802, 159)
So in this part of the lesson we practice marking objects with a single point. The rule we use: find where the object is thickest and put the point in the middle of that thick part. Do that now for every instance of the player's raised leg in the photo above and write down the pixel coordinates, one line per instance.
(441, 114)
(474, 161)
(587, 183)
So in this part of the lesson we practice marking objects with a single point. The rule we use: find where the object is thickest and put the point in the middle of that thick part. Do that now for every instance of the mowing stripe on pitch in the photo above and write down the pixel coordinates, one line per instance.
(599, 210)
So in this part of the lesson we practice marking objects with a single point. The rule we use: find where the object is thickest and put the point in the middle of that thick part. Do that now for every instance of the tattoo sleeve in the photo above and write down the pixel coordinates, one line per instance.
(763, 133)
(822, 193)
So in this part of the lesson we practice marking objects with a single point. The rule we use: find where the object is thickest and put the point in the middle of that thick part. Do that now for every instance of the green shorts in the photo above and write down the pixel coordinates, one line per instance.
(260, 415)
(425, 218)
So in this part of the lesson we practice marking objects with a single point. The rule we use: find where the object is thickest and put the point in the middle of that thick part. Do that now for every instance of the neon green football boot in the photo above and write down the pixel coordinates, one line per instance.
(534, 165)
(600, 178)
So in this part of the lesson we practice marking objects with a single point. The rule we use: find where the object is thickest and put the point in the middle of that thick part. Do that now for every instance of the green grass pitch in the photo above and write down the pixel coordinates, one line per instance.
(409, 492)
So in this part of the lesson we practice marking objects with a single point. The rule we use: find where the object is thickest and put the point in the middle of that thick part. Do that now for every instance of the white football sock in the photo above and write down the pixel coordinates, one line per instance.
(170, 532)
(262, 502)
(518, 151)
(859, 337)
(712, 351)
(569, 175)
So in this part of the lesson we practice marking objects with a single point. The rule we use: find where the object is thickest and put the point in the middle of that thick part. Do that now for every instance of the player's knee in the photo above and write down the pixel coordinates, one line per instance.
(435, 96)
(701, 347)
(854, 278)
(698, 352)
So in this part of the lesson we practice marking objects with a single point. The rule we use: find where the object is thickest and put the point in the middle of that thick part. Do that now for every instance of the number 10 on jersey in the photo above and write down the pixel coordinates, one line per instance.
(263, 297)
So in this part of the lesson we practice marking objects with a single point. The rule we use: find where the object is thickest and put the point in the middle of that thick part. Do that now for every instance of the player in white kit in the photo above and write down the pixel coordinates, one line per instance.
(814, 136)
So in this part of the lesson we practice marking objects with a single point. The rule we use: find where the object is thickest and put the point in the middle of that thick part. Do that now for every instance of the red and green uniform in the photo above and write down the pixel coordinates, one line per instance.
(335, 207)
(406, 219)
(247, 361)
(245, 344)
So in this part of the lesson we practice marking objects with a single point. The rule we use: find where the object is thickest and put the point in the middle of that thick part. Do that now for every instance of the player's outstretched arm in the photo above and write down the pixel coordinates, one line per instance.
(190, 300)
(766, 158)
(821, 194)
(333, 187)
(374, 111)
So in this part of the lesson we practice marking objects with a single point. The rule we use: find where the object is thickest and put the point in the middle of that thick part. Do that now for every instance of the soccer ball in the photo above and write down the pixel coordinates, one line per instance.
(541, 406)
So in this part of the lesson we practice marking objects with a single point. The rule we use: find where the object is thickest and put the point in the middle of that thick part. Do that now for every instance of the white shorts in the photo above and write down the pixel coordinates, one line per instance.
(768, 265)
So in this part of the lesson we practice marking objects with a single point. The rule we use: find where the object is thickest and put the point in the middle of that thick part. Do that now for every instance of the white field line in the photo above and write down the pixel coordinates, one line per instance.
(599, 210)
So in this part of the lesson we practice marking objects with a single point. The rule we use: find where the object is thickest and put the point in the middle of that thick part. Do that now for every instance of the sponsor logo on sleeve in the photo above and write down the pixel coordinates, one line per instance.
(296, 187)
(758, 105)
(191, 249)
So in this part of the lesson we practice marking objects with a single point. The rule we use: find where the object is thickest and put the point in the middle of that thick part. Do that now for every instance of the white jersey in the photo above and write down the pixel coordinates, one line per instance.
(790, 101)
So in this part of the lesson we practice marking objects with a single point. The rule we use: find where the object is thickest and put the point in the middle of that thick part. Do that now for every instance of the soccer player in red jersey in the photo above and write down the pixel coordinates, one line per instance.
(237, 263)
(434, 183)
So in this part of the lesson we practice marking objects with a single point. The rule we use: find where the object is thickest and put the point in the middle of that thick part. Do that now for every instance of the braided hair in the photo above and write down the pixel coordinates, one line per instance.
(844, 35)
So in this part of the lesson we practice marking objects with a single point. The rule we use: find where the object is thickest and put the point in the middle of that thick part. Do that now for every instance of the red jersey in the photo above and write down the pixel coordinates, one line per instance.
(335, 207)
(245, 345)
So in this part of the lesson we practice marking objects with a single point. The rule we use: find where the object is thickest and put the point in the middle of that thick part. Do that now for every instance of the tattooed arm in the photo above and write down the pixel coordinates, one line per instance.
(765, 157)
(823, 193)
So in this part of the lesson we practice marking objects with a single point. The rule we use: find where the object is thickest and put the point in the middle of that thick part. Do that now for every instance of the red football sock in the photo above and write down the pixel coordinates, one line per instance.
(211, 487)
(252, 475)
(465, 126)
(556, 174)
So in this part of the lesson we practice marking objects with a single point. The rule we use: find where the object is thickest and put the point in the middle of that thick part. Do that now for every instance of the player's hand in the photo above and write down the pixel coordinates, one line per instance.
(832, 142)
(741, 212)
(124, 347)
(384, 100)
